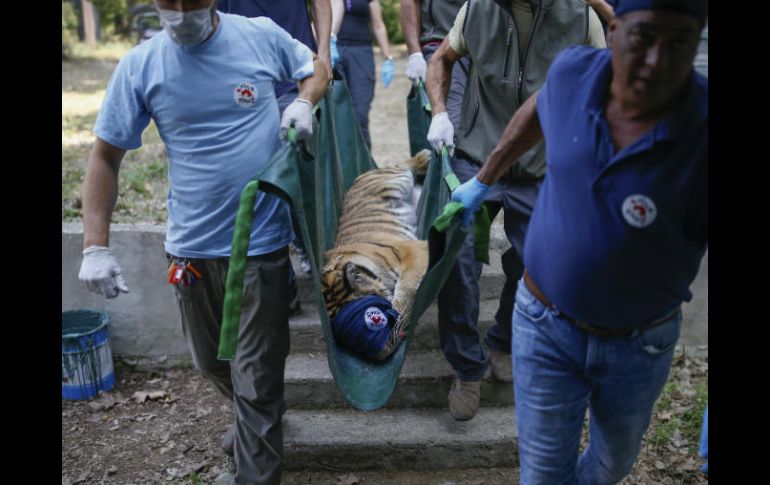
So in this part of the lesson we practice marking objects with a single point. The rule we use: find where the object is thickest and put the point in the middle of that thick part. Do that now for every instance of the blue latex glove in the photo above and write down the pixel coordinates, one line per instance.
(387, 72)
(470, 195)
(335, 54)
(704, 441)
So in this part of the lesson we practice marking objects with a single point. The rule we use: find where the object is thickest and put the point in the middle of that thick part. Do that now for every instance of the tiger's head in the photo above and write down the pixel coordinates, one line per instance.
(348, 277)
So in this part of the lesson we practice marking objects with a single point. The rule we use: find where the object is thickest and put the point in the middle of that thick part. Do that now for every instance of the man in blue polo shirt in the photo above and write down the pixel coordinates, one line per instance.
(615, 240)
(207, 83)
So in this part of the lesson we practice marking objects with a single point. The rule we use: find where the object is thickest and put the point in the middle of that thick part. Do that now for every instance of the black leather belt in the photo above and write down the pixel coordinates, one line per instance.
(601, 332)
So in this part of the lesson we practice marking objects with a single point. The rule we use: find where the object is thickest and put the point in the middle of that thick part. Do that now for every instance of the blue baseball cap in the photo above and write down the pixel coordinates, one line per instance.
(696, 8)
(364, 325)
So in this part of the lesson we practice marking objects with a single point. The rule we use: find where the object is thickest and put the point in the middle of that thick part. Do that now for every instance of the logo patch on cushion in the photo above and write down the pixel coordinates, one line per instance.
(375, 319)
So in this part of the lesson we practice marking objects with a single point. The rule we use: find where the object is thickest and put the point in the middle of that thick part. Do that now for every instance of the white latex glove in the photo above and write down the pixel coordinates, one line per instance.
(300, 115)
(441, 133)
(416, 68)
(100, 272)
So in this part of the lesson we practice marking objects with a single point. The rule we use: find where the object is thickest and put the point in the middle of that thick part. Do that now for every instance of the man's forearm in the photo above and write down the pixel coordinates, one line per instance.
(338, 13)
(439, 76)
(410, 24)
(602, 8)
(322, 17)
(522, 133)
(314, 87)
(100, 192)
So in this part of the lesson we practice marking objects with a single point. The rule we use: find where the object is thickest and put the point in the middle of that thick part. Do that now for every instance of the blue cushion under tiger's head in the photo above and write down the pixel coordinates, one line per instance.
(363, 325)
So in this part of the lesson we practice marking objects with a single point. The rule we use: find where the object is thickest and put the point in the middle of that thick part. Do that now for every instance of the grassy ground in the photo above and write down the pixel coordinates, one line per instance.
(143, 181)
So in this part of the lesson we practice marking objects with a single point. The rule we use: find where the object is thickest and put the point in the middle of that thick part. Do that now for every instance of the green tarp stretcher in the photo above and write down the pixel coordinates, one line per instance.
(418, 116)
(313, 176)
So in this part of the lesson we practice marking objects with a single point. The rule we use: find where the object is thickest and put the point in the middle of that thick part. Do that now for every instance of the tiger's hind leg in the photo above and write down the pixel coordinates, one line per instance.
(414, 264)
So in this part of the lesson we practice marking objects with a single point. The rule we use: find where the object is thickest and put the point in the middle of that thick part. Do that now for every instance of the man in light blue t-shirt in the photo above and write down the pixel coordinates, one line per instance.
(207, 83)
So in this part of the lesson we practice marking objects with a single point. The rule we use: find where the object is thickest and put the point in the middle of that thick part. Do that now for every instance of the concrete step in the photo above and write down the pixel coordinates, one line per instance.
(424, 382)
(307, 335)
(398, 439)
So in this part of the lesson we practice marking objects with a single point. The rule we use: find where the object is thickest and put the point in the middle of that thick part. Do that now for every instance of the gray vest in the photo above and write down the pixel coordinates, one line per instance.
(501, 80)
(437, 18)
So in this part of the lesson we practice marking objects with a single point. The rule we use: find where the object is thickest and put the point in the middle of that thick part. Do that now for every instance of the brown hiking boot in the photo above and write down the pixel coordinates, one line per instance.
(464, 399)
(502, 368)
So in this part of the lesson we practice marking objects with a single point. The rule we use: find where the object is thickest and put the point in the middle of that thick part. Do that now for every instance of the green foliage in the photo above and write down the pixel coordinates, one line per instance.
(391, 9)
(69, 29)
(113, 17)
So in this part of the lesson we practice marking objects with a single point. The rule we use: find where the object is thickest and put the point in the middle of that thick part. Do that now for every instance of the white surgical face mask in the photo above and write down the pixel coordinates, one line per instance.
(187, 28)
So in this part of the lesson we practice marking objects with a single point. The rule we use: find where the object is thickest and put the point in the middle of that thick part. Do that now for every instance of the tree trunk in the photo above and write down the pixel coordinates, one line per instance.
(89, 21)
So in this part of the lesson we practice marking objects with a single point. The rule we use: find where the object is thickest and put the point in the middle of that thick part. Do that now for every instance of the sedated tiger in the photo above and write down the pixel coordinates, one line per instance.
(372, 273)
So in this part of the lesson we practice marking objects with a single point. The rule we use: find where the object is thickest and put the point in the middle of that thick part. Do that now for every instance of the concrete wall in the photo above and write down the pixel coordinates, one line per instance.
(146, 324)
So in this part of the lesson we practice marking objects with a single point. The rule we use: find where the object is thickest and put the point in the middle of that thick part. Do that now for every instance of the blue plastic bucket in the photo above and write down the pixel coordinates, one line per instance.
(86, 357)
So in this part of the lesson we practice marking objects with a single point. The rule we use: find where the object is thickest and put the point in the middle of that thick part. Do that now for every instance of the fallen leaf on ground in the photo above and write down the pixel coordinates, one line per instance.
(349, 479)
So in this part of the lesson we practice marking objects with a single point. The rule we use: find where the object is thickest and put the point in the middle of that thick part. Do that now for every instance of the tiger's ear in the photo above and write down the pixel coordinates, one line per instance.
(356, 276)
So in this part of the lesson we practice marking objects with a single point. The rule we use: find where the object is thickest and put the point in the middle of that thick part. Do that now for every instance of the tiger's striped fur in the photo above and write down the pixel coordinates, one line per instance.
(376, 251)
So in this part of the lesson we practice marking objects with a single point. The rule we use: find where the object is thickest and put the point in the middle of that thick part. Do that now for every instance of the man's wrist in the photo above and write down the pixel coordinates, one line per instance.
(95, 249)
(479, 184)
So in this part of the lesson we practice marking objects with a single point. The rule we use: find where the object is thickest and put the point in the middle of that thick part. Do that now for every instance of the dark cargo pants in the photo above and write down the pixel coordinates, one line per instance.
(254, 379)
(458, 300)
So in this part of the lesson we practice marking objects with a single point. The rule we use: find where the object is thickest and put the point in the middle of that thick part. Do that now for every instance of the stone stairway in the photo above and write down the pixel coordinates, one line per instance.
(414, 429)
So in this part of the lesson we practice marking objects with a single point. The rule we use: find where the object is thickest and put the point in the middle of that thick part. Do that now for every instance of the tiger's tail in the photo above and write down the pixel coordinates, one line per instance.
(418, 164)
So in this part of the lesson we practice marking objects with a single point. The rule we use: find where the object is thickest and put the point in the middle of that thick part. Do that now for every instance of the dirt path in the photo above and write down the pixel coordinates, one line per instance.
(387, 118)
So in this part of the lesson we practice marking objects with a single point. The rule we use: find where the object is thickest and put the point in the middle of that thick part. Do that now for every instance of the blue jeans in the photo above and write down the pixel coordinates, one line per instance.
(559, 371)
